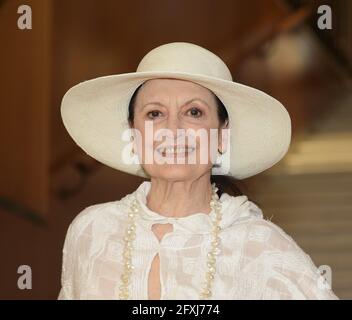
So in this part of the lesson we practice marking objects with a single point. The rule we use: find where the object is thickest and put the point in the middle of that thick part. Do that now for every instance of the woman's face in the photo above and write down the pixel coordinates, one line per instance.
(175, 104)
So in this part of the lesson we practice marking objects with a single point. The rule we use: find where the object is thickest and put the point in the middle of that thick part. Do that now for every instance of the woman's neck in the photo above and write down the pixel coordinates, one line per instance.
(180, 198)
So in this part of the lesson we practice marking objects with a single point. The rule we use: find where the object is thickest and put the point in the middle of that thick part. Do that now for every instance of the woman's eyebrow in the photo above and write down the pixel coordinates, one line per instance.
(200, 99)
(187, 102)
(153, 102)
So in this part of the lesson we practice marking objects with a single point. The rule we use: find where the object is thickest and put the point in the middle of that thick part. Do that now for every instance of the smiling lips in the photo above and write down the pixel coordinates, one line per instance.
(175, 150)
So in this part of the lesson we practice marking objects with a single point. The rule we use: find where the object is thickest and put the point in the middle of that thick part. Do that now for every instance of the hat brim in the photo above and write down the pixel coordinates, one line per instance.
(95, 112)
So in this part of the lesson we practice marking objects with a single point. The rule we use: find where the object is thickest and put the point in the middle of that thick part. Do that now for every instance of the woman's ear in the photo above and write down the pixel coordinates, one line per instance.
(133, 137)
(223, 137)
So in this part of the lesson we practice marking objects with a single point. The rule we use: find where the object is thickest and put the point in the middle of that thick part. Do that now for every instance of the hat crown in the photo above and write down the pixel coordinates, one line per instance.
(186, 58)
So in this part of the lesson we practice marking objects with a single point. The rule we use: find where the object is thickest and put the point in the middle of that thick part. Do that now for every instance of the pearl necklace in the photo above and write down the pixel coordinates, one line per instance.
(130, 235)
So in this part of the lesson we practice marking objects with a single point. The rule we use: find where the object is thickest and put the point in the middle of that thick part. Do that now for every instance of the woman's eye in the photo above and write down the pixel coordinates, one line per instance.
(153, 114)
(194, 112)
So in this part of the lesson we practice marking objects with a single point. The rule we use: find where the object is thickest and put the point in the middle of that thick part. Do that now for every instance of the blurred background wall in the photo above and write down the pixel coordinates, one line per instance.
(273, 45)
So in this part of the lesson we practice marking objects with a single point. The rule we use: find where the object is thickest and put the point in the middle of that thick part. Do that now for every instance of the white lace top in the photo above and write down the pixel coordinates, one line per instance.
(258, 260)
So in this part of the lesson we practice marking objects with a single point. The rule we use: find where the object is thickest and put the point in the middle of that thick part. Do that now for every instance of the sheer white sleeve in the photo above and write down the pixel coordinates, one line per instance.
(68, 266)
(291, 273)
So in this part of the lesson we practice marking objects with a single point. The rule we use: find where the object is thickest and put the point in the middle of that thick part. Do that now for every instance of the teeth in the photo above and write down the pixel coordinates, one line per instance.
(171, 150)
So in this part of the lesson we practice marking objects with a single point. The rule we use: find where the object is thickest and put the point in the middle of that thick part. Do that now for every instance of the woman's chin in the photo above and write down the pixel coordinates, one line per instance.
(172, 171)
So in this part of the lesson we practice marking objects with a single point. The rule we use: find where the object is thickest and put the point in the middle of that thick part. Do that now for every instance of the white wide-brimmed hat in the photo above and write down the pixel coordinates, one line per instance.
(95, 112)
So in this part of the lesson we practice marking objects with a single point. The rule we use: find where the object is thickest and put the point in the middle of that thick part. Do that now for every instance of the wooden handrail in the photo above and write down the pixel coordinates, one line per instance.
(233, 54)
(22, 211)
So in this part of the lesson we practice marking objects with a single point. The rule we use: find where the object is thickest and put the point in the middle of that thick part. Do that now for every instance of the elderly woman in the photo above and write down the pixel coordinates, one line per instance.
(178, 236)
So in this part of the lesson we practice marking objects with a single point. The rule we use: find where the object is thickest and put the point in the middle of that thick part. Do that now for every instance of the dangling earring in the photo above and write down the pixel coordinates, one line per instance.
(218, 159)
(132, 151)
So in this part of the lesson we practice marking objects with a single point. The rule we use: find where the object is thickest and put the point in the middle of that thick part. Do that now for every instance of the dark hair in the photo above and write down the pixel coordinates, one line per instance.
(225, 184)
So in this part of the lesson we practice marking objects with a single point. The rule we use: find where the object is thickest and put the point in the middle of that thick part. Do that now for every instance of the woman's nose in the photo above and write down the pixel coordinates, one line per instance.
(173, 127)
(173, 124)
